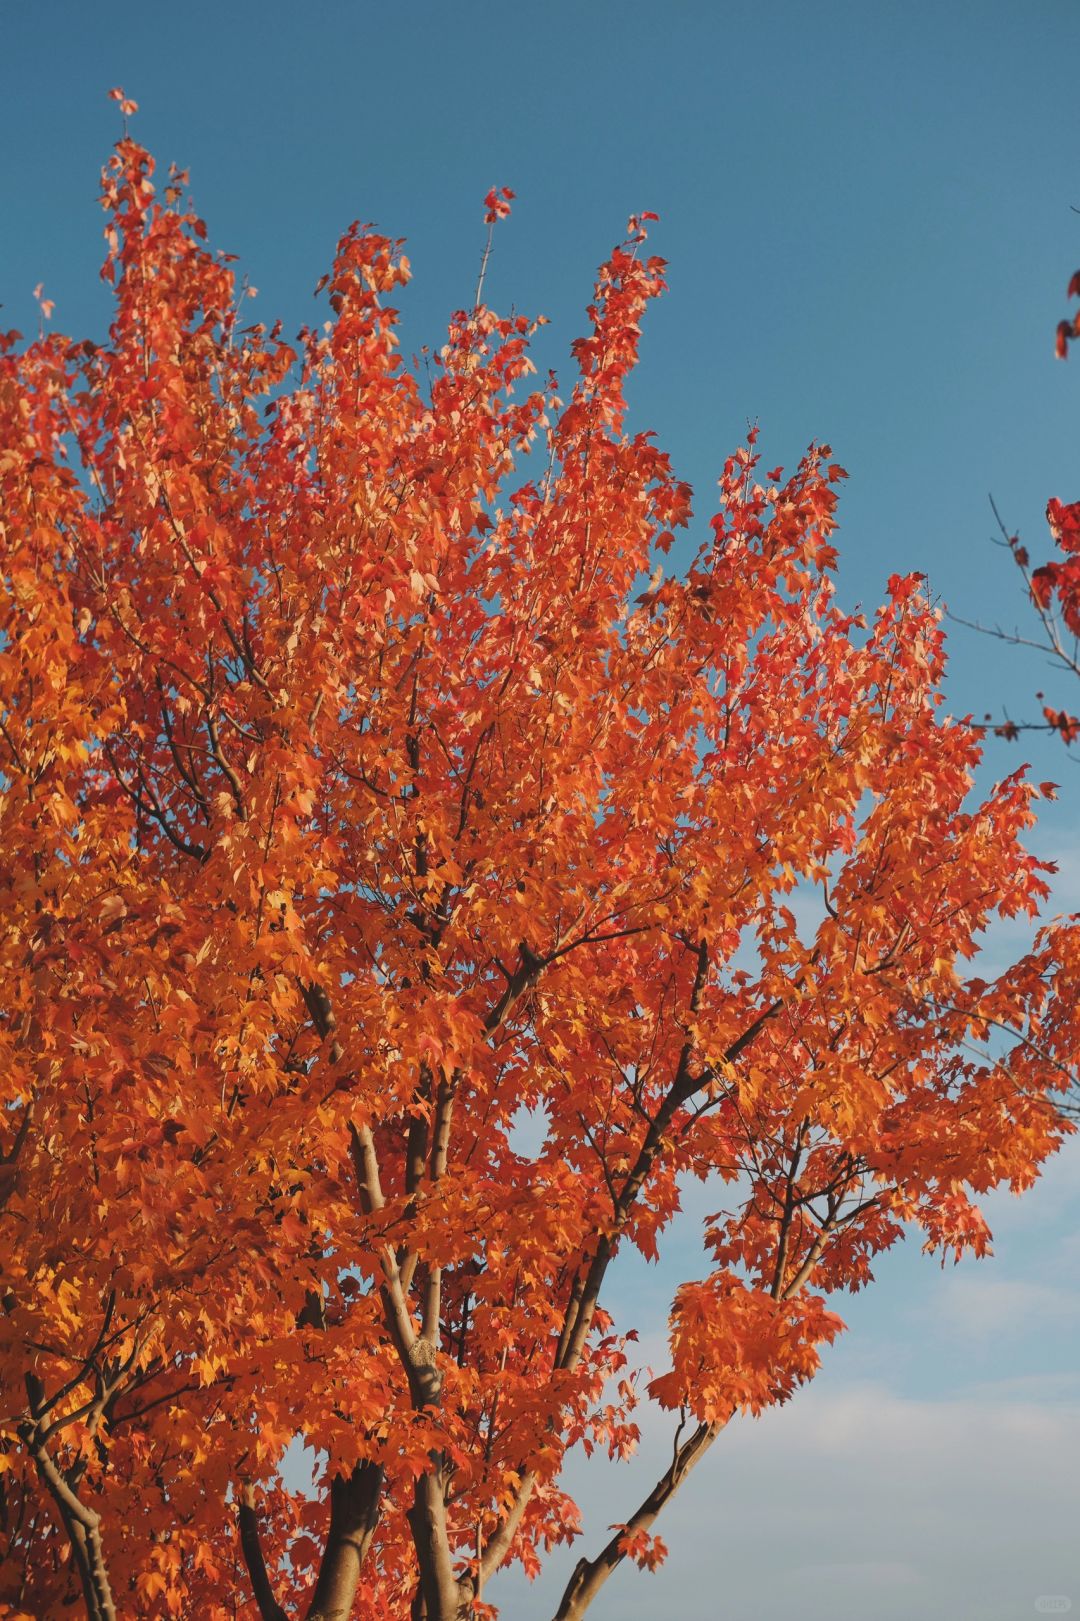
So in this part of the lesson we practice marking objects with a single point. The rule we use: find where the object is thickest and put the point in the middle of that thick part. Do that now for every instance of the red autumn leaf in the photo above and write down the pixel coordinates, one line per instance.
(647, 1552)
(1064, 520)
(1043, 580)
(127, 106)
(497, 204)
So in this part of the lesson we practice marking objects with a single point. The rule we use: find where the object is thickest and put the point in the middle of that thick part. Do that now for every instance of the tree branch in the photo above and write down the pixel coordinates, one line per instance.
(590, 1574)
(251, 1547)
(82, 1524)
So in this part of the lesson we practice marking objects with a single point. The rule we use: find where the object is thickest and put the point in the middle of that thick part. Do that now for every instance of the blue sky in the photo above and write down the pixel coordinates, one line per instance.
(866, 209)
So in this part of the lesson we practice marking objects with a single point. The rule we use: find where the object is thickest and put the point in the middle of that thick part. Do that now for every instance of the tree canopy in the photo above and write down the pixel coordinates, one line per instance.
(408, 885)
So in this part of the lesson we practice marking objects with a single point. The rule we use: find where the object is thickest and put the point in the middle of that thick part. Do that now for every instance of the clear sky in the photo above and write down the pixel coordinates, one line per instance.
(866, 207)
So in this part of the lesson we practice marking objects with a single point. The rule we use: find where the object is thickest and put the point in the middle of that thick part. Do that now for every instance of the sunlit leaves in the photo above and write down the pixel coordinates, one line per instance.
(413, 878)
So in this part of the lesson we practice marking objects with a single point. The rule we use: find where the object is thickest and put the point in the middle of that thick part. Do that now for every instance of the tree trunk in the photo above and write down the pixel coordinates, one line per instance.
(354, 1514)
(439, 1589)
(83, 1527)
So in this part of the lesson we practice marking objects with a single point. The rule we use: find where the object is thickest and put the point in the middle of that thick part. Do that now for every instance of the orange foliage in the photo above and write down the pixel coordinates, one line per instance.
(401, 899)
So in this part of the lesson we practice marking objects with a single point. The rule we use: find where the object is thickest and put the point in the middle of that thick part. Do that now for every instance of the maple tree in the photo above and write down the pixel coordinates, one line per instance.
(407, 888)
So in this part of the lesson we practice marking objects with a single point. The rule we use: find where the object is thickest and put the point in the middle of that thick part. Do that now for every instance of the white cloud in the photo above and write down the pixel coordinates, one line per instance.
(850, 1502)
(868, 1574)
(980, 1303)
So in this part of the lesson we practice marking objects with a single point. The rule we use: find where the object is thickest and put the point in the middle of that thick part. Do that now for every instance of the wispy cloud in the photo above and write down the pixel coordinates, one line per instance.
(852, 1502)
(981, 1303)
(867, 1574)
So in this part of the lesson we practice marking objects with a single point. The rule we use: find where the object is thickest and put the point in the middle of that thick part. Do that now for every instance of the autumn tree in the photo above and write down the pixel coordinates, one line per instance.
(408, 886)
